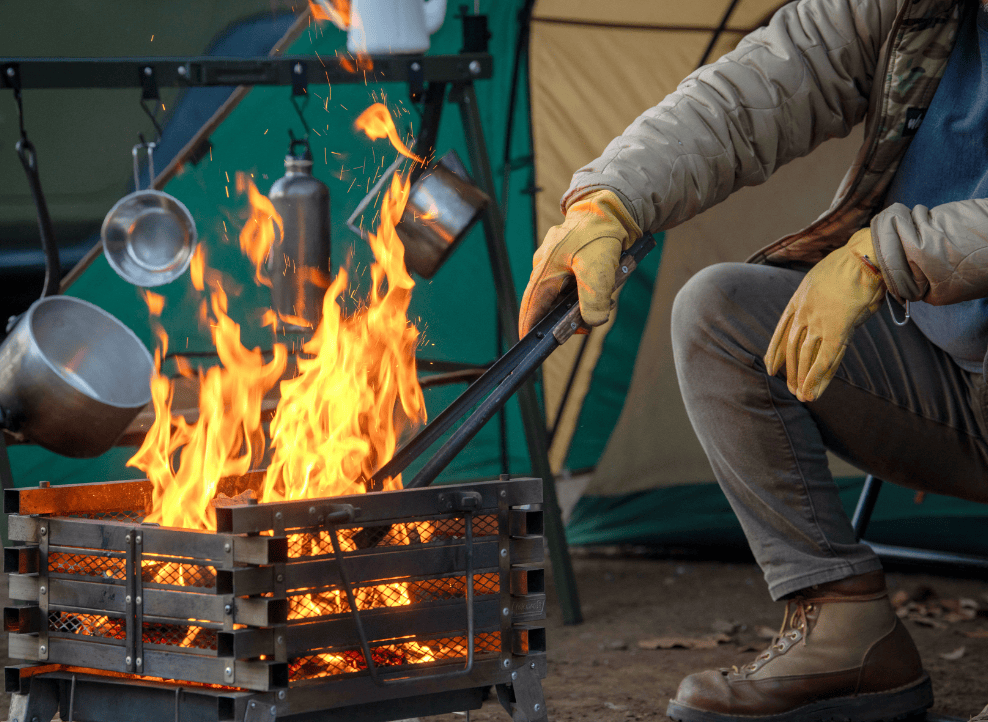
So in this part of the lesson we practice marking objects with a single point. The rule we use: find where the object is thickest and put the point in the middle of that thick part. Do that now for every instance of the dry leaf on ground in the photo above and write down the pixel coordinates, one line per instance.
(974, 633)
(678, 642)
(953, 656)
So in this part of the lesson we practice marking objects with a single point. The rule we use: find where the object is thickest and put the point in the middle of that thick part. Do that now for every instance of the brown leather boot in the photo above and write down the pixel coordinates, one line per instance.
(842, 654)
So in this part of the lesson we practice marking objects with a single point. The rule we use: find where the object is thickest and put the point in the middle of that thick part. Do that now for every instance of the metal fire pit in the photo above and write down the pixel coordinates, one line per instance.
(367, 608)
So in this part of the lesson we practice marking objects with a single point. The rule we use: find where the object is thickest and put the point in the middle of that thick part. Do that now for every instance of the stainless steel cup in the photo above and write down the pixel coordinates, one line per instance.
(148, 236)
(72, 377)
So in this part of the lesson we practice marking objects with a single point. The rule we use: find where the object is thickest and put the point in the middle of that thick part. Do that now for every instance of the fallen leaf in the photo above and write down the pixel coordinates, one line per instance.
(766, 632)
(953, 656)
(975, 633)
(674, 642)
(615, 707)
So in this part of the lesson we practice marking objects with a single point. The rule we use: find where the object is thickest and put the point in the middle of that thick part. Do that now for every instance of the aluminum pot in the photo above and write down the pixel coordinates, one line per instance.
(72, 377)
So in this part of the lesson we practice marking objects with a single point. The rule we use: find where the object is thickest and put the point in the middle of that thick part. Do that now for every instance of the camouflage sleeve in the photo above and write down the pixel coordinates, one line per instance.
(786, 88)
(938, 255)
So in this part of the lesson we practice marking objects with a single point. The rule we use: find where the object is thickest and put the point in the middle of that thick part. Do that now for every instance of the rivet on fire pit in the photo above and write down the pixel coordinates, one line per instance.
(537, 707)
(573, 325)
(252, 704)
(312, 510)
(43, 590)
(138, 539)
(229, 673)
(506, 611)
(138, 661)
(277, 515)
(138, 600)
(514, 675)
(503, 493)
(227, 547)
(44, 530)
(504, 552)
(44, 649)
(273, 710)
(506, 663)
(127, 538)
(281, 640)
(280, 577)
(127, 599)
(281, 694)
(532, 665)
(228, 609)
(127, 660)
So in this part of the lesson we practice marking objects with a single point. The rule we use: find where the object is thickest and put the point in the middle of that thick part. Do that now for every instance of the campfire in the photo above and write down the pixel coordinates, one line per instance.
(251, 567)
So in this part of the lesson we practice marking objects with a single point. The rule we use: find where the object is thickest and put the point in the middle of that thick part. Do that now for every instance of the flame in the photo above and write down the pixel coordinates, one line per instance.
(258, 234)
(376, 122)
(335, 11)
(361, 61)
(338, 419)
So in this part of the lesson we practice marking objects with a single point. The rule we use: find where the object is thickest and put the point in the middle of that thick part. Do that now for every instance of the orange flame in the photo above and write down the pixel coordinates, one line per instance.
(376, 122)
(337, 420)
(258, 234)
(335, 11)
(361, 61)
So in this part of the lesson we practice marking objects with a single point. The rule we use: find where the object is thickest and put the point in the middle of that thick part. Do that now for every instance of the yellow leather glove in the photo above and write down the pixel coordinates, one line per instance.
(838, 294)
(586, 245)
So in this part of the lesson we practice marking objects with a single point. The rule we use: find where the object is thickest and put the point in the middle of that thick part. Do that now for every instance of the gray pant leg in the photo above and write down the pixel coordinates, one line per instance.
(898, 408)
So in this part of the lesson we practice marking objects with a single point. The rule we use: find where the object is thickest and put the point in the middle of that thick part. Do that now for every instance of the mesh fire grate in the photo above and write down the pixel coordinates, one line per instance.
(340, 608)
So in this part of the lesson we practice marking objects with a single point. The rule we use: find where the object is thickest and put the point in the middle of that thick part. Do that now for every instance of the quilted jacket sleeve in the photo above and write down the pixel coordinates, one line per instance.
(786, 88)
(937, 255)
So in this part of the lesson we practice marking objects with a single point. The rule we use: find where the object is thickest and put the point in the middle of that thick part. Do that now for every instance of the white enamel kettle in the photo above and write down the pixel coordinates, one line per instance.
(388, 27)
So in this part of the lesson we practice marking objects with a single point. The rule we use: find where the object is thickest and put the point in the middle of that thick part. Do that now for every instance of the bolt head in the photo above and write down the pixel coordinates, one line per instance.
(229, 673)
(506, 611)
(253, 705)
(281, 694)
(532, 665)
(148, 71)
(624, 269)
(280, 578)
(138, 661)
(298, 68)
(416, 67)
(228, 609)
(182, 70)
(43, 590)
(138, 600)
(312, 510)
(514, 675)
(227, 547)
(127, 599)
(10, 72)
(573, 325)
(281, 640)
(128, 660)
(277, 515)
(43, 649)
(475, 67)
(273, 710)
(537, 707)
(127, 538)
(504, 552)
(506, 663)
(44, 530)
(138, 539)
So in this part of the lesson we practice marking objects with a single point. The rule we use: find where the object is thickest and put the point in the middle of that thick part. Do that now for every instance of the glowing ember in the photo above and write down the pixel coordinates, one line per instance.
(376, 122)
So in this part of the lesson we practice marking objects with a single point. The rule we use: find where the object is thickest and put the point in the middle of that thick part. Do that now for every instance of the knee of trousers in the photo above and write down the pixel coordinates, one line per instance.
(707, 305)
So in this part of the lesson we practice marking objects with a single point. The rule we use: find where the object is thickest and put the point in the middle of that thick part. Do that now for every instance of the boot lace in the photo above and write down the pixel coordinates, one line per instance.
(794, 629)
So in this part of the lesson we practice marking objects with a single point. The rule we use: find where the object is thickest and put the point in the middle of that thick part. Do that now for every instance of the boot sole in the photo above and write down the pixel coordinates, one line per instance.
(876, 707)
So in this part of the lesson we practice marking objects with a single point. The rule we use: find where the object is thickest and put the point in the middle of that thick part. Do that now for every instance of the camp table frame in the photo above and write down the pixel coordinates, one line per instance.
(433, 79)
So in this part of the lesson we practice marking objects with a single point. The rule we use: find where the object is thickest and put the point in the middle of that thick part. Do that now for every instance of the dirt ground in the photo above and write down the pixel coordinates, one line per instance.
(598, 672)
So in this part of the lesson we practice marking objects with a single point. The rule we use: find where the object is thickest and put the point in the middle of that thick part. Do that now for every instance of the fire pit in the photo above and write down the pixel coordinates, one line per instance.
(368, 607)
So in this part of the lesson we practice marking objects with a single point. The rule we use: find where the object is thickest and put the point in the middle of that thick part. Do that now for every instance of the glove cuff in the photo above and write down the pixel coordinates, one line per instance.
(608, 207)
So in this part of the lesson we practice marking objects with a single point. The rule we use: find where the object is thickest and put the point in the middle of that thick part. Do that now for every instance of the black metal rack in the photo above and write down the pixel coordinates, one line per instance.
(434, 80)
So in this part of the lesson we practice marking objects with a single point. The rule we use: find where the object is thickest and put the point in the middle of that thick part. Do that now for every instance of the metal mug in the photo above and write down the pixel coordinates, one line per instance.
(443, 204)
(148, 236)
(72, 377)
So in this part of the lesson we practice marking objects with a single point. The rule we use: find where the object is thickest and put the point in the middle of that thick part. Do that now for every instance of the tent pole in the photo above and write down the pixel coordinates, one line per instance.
(465, 96)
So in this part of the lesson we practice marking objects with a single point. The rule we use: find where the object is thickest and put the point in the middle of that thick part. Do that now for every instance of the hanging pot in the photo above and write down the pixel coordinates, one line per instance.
(72, 377)
(148, 236)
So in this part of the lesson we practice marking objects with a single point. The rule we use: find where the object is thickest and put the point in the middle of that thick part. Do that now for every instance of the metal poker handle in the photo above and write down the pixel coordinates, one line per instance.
(499, 382)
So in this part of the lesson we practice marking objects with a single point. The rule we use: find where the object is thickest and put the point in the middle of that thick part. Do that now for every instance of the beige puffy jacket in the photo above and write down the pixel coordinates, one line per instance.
(816, 70)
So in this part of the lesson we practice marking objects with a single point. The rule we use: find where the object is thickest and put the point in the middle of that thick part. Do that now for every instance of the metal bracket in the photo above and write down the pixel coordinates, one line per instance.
(468, 501)
(416, 81)
(260, 712)
(133, 570)
(149, 83)
(523, 698)
(299, 78)
(39, 703)
(44, 588)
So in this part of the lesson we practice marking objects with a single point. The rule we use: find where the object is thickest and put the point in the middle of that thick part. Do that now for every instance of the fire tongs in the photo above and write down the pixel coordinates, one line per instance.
(498, 383)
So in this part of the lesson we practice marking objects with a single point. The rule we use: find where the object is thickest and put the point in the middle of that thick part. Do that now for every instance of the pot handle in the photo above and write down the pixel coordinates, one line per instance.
(53, 269)
(135, 151)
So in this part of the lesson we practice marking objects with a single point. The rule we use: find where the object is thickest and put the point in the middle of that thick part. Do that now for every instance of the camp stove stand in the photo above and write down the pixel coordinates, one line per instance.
(299, 611)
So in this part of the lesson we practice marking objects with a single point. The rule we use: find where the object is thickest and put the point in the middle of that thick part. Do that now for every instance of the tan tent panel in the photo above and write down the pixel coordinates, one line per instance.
(594, 68)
